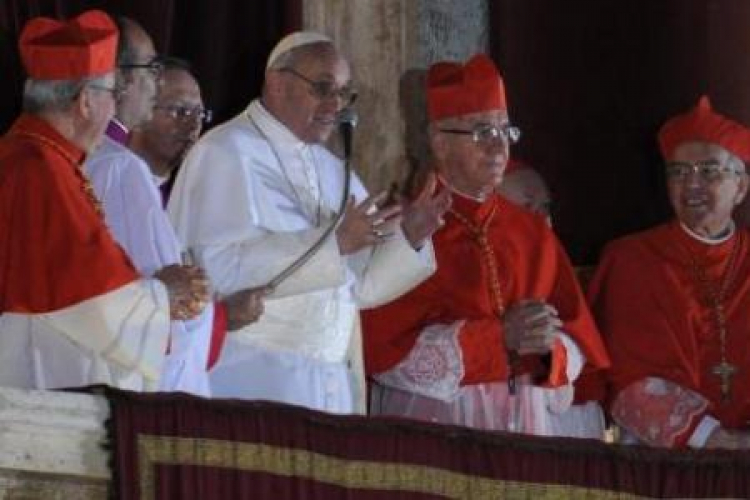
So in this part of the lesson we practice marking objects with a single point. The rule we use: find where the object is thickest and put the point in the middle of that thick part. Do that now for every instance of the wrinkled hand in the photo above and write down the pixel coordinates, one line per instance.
(365, 224)
(188, 290)
(728, 439)
(423, 216)
(244, 307)
(531, 327)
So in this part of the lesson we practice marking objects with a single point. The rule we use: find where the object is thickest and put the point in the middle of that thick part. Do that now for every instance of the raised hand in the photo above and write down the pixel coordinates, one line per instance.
(424, 215)
(365, 224)
(244, 307)
(188, 290)
(531, 327)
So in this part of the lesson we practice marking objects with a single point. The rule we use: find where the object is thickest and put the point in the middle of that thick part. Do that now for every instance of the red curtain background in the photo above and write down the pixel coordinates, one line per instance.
(227, 41)
(591, 81)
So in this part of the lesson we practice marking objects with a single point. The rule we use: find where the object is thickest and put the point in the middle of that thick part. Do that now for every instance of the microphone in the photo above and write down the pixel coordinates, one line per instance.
(347, 120)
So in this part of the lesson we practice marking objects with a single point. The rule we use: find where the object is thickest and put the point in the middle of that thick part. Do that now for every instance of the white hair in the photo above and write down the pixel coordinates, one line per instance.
(54, 95)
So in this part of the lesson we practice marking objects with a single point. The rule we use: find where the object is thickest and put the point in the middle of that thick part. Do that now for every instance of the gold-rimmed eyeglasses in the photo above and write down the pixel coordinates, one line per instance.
(708, 171)
(183, 113)
(487, 133)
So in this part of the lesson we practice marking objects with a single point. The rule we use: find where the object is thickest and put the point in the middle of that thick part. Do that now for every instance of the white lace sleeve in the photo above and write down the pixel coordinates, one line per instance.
(657, 411)
(433, 368)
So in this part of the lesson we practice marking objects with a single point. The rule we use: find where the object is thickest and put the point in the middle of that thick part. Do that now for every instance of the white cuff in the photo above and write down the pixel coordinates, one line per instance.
(701, 433)
(575, 358)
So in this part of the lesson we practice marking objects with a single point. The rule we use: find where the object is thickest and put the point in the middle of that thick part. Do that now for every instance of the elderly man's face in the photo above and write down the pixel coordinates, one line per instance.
(138, 80)
(177, 119)
(472, 167)
(101, 110)
(308, 114)
(704, 186)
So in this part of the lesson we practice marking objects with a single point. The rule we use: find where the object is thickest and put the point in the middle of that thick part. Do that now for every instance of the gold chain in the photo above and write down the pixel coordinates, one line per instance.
(714, 297)
(479, 233)
(86, 186)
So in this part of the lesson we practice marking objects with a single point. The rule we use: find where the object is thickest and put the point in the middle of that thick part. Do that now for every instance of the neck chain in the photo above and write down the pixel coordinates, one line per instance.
(479, 235)
(480, 198)
(86, 187)
(714, 295)
(319, 201)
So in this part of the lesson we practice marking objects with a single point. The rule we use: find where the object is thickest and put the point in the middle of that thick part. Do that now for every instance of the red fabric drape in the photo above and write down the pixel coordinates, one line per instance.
(227, 41)
(178, 446)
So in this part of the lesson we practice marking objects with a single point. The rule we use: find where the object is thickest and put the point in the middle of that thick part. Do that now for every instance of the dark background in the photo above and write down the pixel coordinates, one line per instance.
(226, 41)
(591, 81)
(588, 81)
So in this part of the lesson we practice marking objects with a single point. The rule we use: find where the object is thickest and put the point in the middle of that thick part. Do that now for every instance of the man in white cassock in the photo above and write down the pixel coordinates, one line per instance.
(256, 192)
(75, 311)
(133, 210)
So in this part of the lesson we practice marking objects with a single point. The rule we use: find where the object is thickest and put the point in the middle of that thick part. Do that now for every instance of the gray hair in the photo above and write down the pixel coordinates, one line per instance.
(54, 95)
(736, 163)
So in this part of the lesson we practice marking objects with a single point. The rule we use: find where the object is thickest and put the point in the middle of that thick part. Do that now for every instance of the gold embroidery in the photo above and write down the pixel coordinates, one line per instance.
(354, 474)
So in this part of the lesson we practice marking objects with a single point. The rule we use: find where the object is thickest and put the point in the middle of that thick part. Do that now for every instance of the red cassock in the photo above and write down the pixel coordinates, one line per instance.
(655, 313)
(55, 250)
(530, 263)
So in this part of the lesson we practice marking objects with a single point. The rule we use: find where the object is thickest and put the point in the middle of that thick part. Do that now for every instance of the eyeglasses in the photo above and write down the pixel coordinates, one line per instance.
(324, 89)
(155, 66)
(184, 113)
(485, 133)
(708, 171)
(116, 91)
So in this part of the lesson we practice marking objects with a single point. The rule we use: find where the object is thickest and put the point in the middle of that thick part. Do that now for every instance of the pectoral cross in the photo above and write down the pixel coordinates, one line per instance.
(725, 371)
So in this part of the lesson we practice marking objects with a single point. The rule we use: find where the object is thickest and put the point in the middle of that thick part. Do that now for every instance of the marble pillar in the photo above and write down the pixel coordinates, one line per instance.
(390, 44)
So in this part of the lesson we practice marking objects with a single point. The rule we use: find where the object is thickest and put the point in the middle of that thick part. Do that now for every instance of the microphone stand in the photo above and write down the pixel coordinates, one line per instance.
(348, 121)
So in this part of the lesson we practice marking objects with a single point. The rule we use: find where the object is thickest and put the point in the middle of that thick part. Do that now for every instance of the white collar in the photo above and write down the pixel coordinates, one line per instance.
(462, 194)
(272, 128)
(120, 125)
(159, 180)
(711, 241)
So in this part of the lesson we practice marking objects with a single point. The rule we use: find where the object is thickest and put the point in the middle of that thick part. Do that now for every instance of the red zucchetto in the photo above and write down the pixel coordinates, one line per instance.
(705, 125)
(455, 89)
(69, 50)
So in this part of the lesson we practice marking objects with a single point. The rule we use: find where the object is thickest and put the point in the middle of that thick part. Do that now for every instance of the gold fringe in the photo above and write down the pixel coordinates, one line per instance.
(353, 474)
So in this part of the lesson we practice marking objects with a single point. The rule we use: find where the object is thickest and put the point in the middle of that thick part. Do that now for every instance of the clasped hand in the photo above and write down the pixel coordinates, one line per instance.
(188, 290)
(531, 327)
(244, 307)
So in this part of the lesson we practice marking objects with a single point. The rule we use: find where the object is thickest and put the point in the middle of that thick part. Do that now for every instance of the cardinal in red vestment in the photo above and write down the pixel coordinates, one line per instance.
(673, 302)
(73, 309)
(495, 337)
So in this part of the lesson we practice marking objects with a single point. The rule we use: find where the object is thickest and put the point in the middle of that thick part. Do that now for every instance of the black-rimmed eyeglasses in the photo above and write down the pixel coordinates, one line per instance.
(324, 89)
(116, 91)
(485, 133)
(184, 113)
(155, 66)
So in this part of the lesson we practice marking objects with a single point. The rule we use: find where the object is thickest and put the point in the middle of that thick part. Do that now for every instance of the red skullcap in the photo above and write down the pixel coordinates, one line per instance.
(454, 89)
(69, 50)
(703, 124)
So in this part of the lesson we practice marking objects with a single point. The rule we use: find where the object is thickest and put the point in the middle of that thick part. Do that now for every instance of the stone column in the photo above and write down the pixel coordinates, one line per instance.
(51, 445)
(390, 43)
